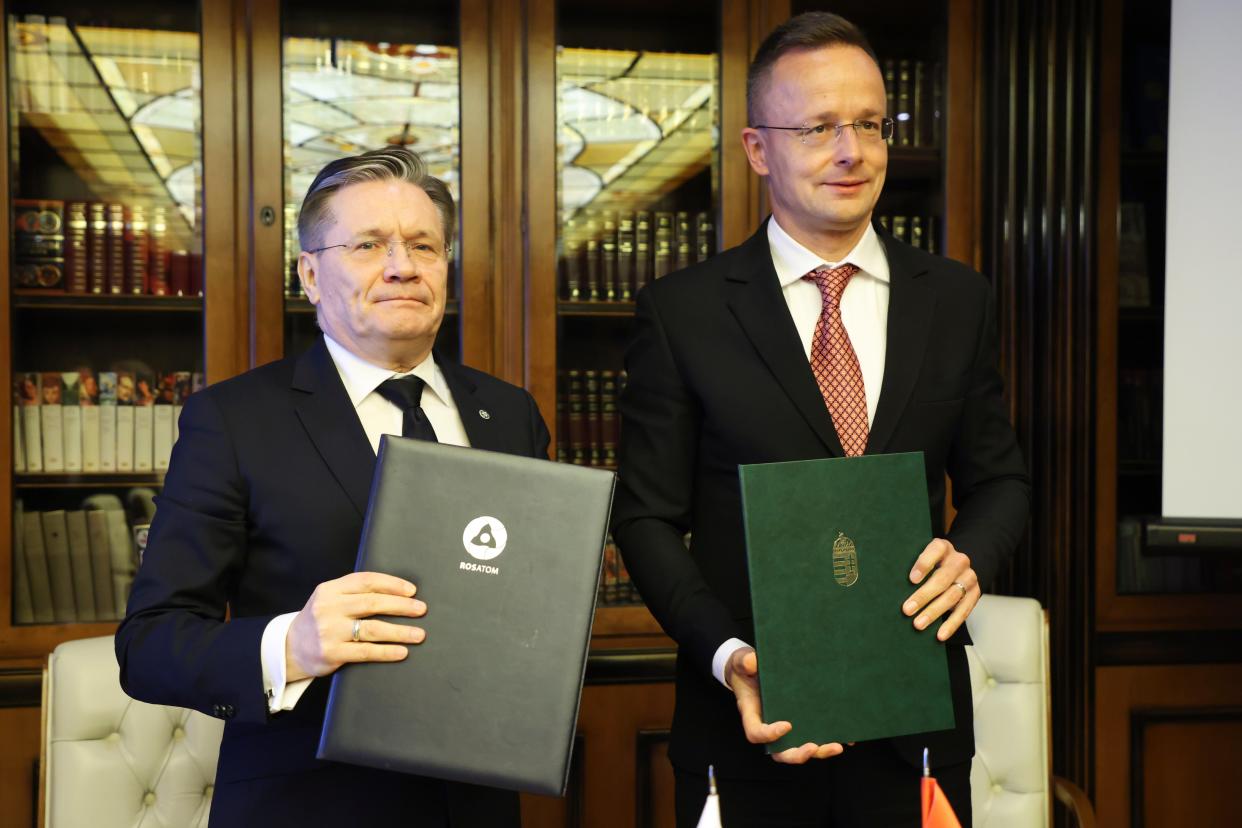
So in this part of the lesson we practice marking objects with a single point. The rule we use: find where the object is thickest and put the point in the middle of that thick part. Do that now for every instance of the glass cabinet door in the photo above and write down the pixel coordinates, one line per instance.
(362, 77)
(106, 336)
(637, 120)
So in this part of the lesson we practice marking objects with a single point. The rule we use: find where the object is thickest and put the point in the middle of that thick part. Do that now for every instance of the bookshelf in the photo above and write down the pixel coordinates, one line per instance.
(106, 298)
(504, 88)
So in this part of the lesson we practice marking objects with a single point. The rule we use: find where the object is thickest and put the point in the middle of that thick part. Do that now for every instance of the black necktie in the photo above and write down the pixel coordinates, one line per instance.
(407, 393)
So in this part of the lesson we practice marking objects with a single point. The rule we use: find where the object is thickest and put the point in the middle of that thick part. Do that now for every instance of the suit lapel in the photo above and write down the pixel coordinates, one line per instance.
(756, 301)
(484, 426)
(911, 305)
(332, 423)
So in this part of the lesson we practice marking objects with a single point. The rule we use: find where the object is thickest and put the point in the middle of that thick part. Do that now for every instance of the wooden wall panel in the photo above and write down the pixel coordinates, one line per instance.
(19, 758)
(612, 718)
(1175, 730)
(1038, 247)
(1191, 768)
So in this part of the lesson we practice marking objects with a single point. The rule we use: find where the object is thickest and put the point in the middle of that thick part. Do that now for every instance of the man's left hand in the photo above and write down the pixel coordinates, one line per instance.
(951, 586)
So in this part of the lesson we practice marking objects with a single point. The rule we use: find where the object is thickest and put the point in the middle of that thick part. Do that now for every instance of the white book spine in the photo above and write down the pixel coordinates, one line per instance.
(19, 441)
(59, 570)
(53, 438)
(90, 439)
(124, 438)
(107, 438)
(23, 606)
(101, 563)
(162, 437)
(80, 560)
(32, 423)
(121, 547)
(71, 424)
(36, 568)
(144, 428)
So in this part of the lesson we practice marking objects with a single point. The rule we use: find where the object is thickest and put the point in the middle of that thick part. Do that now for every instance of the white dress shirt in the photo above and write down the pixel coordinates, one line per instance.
(378, 416)
(864, 312)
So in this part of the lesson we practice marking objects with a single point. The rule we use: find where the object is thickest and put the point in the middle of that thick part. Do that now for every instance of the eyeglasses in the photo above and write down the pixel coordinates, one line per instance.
(818, 135)
(374, 250)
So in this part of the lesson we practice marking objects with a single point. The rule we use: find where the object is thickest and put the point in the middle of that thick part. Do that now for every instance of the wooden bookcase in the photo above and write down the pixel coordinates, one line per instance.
(509, 315)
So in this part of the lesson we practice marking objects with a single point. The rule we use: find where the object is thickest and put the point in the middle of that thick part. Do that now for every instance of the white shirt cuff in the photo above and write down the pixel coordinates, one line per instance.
(281, 695)
(722, 657)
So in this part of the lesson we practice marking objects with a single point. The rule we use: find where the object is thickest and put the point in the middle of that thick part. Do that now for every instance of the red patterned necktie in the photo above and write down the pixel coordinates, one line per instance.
(835, 364)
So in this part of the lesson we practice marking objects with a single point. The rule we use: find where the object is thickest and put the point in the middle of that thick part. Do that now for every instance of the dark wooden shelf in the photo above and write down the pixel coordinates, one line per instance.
(614, 309)
(60, 300)
(78, 480)
(1139, 468)
(300, 305)
(1148, 315)
(914, 163)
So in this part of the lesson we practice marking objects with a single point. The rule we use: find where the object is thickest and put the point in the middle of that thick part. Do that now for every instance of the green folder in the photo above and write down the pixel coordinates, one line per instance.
(830, 545)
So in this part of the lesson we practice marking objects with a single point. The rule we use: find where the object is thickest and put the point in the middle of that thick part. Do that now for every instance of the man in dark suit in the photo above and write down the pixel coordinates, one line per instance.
(821, 336)
(263, 505)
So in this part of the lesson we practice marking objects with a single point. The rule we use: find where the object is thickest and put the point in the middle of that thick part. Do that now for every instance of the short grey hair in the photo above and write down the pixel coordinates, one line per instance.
(387, 164)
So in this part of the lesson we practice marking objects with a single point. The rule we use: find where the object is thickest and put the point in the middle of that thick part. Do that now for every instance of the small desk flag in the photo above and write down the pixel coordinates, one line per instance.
(937, 812)
(710, 818)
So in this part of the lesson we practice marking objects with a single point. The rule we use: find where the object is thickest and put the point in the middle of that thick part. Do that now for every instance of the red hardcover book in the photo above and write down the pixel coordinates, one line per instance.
(116, 248)
(157, 266)
(76, 248)
(196, 274)
(179, 273)
(137, 250)
(97, 246)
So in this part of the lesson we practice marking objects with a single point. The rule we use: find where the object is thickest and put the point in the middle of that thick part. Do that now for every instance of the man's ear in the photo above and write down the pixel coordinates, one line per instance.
(308, 277)
(752, 142)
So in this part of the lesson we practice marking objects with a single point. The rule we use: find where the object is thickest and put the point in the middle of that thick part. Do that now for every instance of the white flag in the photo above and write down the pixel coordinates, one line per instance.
(710, 818)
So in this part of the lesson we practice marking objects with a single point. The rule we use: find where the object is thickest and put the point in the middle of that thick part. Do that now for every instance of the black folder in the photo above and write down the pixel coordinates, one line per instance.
(506, 551)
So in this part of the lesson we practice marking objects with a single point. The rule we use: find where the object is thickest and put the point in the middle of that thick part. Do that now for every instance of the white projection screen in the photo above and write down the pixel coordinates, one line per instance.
(1202, 469)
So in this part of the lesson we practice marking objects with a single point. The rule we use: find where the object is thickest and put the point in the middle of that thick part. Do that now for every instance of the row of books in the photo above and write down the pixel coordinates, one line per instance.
(920, 231)
(915, 100)
(588, 426)
(100, 248)
(609, 256)
(74, 566)
(1139, 572)
(1133, 281)
(1139, 424)
(615, 587)
(81, 422)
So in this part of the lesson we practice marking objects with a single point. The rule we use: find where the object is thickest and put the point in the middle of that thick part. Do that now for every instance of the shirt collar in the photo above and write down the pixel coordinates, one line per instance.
(793, 261)
(361, 377)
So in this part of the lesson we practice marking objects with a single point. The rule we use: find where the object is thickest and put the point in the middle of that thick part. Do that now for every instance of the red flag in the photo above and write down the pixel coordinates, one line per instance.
(937, 812)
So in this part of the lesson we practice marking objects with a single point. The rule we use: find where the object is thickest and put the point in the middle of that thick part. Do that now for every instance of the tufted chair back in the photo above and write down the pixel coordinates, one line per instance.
(111, 761)
(1010, 779)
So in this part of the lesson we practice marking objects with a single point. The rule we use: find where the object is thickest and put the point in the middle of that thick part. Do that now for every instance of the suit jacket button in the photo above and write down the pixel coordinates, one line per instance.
(216, 711)
(228, 711)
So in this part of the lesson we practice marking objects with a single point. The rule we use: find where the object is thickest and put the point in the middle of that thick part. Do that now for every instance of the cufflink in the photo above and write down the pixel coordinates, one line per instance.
(483, 413)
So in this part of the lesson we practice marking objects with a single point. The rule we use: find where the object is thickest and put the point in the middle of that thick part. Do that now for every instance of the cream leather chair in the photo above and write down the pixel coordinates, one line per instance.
(1011, 779)
(111, 761)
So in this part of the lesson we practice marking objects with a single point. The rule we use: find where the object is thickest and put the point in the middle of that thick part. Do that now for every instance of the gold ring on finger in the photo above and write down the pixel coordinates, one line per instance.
(960, 586)
(357, 629)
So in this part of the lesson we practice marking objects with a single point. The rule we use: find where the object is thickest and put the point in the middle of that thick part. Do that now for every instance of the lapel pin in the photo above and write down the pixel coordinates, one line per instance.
(483, 413)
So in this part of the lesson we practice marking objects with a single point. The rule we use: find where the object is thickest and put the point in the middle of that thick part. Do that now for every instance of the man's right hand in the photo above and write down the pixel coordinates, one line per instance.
(742, 675)
(321, 638)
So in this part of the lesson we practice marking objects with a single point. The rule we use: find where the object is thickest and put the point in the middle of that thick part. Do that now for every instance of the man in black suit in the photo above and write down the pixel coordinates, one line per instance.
(264, 500)
(821, 336)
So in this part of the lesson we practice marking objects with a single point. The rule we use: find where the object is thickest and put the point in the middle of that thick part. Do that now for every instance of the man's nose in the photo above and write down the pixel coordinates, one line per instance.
(847, 147)
(400, 264)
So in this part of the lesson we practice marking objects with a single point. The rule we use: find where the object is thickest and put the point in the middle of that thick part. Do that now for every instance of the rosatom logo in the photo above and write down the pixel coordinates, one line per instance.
(485, 538)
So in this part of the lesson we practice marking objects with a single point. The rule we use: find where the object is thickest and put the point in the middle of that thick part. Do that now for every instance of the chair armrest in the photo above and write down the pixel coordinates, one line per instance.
(1072, 797)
